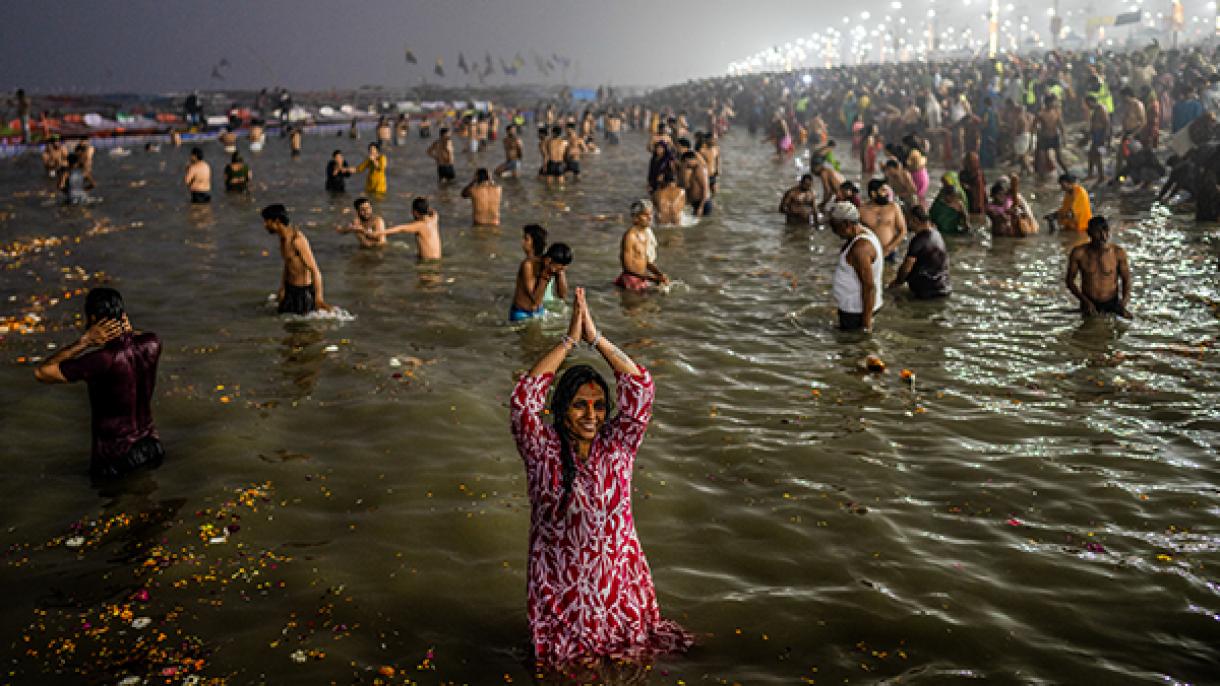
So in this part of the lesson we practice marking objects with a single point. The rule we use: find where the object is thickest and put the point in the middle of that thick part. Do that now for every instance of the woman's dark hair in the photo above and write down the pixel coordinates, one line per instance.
(103, 303)
(537, 236)
(565, 391)
(559, 253)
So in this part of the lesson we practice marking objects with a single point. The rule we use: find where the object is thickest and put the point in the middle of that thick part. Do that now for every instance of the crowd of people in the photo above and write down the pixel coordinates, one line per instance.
(590, 589)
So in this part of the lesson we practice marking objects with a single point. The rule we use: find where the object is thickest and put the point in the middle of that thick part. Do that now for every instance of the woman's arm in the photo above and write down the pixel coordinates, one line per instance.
(617, 359)
(550, 362)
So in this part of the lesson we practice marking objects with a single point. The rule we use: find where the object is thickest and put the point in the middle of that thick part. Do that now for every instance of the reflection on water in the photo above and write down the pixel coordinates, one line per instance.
(1035, 502)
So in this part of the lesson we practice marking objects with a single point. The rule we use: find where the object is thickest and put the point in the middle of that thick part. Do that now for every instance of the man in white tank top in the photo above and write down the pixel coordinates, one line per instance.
(857, 276)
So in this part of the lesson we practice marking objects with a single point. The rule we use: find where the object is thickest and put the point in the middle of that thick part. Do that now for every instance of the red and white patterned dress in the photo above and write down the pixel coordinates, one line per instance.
(590, 590)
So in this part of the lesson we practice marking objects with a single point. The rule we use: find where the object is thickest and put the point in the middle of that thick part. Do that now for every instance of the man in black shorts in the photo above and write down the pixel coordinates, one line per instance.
(442, 151)
(121, 374)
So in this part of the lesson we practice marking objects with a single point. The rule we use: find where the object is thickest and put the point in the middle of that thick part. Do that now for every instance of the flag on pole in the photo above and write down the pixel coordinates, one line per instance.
(462, 63)
(411, 58)
(1128, 18)
(439, 69)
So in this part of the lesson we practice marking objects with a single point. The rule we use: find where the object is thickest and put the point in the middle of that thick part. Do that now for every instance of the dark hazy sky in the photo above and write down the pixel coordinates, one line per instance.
(161, 45)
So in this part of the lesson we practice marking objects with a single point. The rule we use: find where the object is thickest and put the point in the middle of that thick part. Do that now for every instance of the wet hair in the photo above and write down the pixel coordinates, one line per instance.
(1067, 178)
(806, 177)
(444, 130)
(103, 303)
(197, 152)
(275, 213)
(684, 142)
(236, 157)
(920, 213)
(875, 185)
(537, 236)
(1098, 222)
(375, 146)
(641, 206)
(420, 205)
(891, 164)
(559, 253)
(565, 391)
(849, 186)
(689, 155)
(337, 152)
(360, 201)
(481, 175)
(556, 131)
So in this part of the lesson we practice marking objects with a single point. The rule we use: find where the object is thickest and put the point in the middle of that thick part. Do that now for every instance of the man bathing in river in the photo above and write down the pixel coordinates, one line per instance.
(639, 267)
(199, 178)
(441, 151)
(484, 197)
(513, 151)
(541, 267)
(426, 226)
(300, 289)
(797, 205)
(368, 227)
(1105, 275)
(883, 217)
(856, 285)
(670, 200)
(121, 374)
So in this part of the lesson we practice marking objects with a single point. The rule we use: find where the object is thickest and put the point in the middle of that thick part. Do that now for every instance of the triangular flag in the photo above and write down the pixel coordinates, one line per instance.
(439, 69)
(411, 58)
(462, 63)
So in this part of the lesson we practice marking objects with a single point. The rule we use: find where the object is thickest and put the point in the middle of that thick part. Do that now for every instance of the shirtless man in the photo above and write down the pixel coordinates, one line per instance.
(199, 178)
(256, 135)
(884, 218)
(513, 152)
(555, 150)
(573, 153)
(698, 188)
(638, 269)
(54, 157)
(798, 202)
(427, 229)
(900, 180)
(670, 199)
(1049, 128)
(614, 127)
(1022, 125)
(1101, 267)
(1099, 137)
(384, 132)
(831, 181)
(541, 267)
(708, 149)
(85, 151)
(368, 227)
(300, 289)
(484, 196)
(441, 151)
(294, 141)
(228, 141)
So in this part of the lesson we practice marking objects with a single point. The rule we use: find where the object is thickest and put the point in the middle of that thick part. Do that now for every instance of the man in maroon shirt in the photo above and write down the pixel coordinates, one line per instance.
(121, 375)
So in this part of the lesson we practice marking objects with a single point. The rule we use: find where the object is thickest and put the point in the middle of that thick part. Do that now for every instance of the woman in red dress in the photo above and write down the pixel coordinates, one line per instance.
(591, 597)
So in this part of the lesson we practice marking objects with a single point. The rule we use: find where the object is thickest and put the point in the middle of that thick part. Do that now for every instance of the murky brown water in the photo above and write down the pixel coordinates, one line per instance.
(1040, 506)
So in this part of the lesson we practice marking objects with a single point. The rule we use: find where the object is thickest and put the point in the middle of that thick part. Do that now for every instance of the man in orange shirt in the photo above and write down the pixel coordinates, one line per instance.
(1075, 212)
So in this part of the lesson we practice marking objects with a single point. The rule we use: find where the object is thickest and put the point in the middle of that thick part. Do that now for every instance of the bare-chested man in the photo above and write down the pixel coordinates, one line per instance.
(228, 140)
(1022, 126)
(369, 227)
(294, 141)
(484, 196)
(1099, 137)
(199, 178)
(441, 151)
(257, 135)
(427, 229)
(904, 186)
(1049, 128)
(1101, 266)
(708, 148)
(385, 133)
(573, 154)
(698, 187)
(300, 289)
(614, 127)
(638, 270)
(831, 181)
(670, 200)
(513, 152)
(555, 150)
(881, 215)
(542, 267)
(798, 202)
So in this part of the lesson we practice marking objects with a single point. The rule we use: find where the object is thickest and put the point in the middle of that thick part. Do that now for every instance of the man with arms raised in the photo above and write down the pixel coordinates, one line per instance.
(1101, 266)
(121, 374)
(884, 217)
(301, 281)
(484, 196)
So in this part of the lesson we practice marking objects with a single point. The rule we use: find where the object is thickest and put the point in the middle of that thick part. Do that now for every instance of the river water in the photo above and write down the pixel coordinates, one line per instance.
(342, 501)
